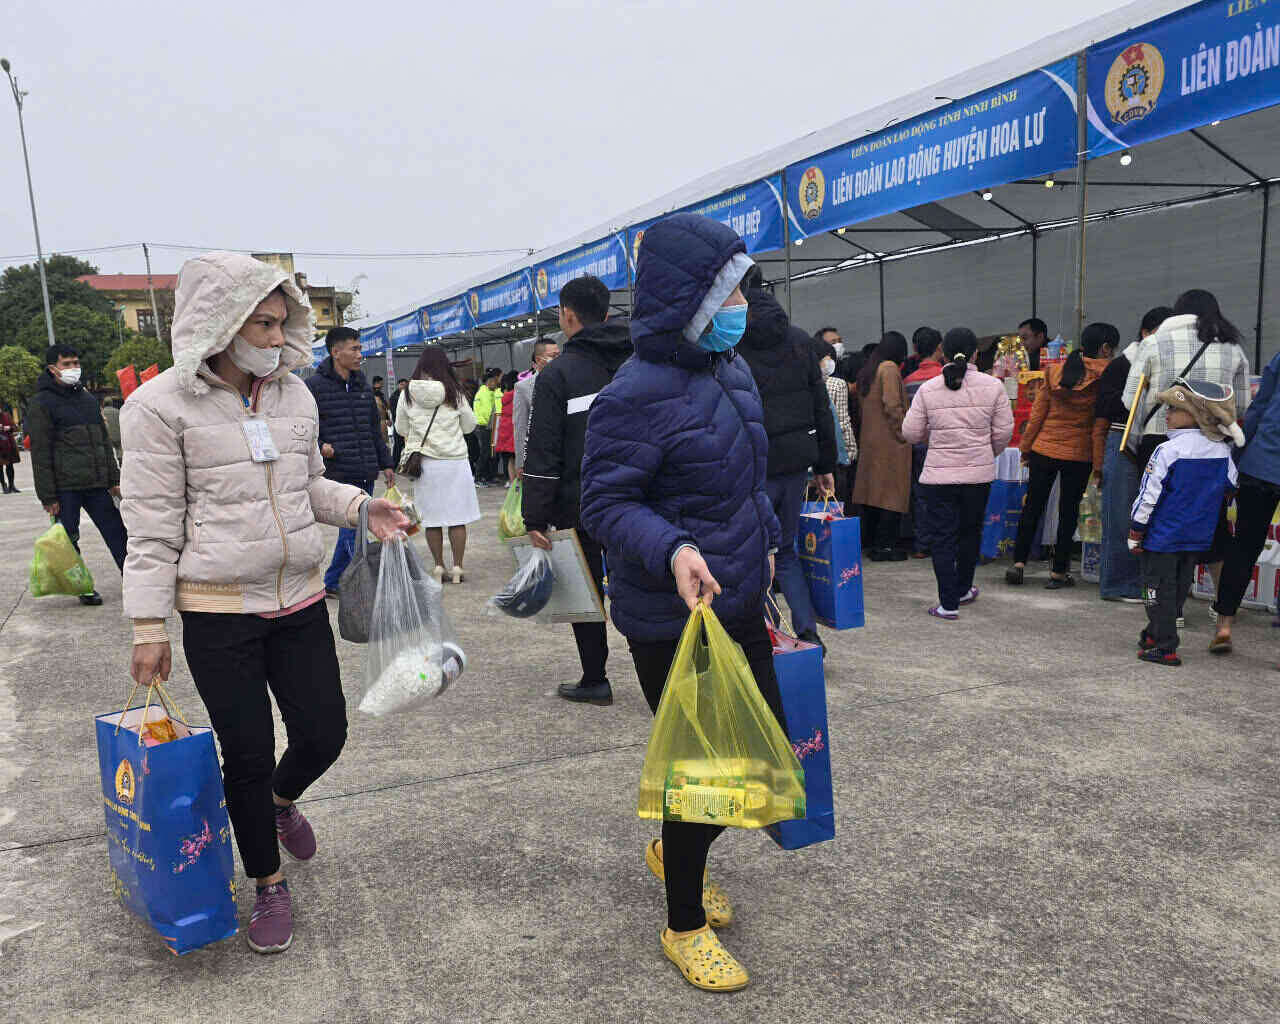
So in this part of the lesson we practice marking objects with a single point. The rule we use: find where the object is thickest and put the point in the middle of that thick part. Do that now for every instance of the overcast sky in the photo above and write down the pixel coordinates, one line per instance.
(395, 126)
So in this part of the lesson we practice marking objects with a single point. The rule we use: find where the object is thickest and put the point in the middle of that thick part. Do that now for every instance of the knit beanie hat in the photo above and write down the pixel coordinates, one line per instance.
(1212, 405)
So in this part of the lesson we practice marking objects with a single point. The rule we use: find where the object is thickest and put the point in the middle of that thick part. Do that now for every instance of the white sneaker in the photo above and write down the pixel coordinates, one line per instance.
(1181, 622)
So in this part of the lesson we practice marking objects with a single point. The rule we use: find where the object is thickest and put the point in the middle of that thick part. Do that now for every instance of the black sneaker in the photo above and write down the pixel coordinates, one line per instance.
(1145, 641)
(587, 693)
(1015, 576)
(1060, 582)
(92, 598)
(1159, 657)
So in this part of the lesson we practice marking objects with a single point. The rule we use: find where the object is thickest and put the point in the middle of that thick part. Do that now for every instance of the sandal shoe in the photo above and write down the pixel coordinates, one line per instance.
(704, 961)
(458, 575)
(715, 902)
(1220, 645)
(438, 574)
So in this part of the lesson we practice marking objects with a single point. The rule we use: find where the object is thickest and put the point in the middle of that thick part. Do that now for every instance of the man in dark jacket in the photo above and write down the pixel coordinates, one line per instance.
(797, 418)
(351, 437)
(71, 455)
(594, 349)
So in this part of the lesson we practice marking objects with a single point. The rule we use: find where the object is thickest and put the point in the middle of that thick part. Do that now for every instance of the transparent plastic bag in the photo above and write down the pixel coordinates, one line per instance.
(56, 566)
(528, 591)
(716, 753)
(405, 505)
(413, 650)
(1090, 521)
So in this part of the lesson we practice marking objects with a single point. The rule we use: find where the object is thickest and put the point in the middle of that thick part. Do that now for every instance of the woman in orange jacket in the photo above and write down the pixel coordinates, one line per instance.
(1058, 443)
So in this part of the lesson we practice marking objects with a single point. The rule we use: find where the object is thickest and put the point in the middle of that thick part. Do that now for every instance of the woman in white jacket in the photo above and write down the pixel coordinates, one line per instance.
(432, 417)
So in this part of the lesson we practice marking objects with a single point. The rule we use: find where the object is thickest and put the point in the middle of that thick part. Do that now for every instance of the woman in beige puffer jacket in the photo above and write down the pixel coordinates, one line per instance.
(223, 489)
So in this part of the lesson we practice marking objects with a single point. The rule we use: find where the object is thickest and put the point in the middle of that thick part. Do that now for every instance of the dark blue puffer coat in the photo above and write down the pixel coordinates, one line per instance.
(349, 420)
(676, 449)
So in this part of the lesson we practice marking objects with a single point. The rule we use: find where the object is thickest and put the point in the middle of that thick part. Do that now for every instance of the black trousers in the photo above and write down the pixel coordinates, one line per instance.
(8, 475)
(919, 517)
(234, 660)
(953, 516)
(484, 457)
(1166, 582)
(1075, 478)
(685, 844)
(591, 637)
(1255, 505)
(102, 510)
(880, 528)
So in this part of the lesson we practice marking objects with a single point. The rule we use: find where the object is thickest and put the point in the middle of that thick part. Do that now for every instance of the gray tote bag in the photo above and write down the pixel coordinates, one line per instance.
(358, 585)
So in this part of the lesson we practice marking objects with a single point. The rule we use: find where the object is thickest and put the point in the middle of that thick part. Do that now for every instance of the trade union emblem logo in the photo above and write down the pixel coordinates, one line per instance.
(811, 542)
(813, 190)
(1134, 83)
(635, 247)
(473, 300)
(426, 320)
(124, 782)
(541, 283)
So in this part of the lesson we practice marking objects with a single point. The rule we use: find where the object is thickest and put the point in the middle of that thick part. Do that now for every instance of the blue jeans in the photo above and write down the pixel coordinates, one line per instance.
(346, 547)
(102, 510)
(786, 493)
(1119, 574)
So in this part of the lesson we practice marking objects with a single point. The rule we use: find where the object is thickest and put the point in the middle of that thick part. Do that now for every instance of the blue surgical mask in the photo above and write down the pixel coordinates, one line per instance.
(727, 327)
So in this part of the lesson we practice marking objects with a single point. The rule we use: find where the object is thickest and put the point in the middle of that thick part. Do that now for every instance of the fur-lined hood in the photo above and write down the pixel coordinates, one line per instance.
(215, 295)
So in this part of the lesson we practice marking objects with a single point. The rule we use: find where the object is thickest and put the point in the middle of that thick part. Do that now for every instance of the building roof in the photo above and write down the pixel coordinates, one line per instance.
(129, 282)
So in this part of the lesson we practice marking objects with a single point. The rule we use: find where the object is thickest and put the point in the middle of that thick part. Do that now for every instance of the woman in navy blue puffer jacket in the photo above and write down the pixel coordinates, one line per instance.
(673, 488)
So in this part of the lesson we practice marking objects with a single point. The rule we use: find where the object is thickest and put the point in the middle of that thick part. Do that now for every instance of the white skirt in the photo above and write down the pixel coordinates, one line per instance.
(446, 494)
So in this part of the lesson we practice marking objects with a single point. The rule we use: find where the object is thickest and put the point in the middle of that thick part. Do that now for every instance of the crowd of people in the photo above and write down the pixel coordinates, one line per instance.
(679, 444)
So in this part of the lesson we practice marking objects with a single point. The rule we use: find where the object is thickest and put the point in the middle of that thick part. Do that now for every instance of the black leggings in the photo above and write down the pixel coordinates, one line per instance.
(1075, 478)
(685, 844)
(8, 475)
(880, 528)
(1255, 505)
(234, 659)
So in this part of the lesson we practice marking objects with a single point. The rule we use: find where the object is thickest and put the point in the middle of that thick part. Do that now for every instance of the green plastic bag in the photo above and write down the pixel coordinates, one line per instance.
(1090, 521)
(56, 566)
(716, 754)
(510, 518)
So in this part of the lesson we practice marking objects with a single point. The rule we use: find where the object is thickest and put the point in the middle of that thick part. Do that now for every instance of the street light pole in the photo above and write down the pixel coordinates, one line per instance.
(31, 195)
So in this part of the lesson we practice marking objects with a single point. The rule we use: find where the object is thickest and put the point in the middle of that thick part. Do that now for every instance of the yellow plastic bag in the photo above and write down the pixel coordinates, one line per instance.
(510, 517)
(716, 754)
(56, 566)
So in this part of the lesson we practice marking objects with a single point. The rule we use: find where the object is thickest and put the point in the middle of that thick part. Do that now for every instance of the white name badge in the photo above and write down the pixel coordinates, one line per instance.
(261, 447)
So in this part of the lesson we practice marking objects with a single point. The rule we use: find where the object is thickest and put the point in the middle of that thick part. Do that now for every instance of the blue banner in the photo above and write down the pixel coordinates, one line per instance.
(754, 211)
(373, 340)
(606, 259)
(407, 330)
(500, 300)
(1202, 64)
(444, 318)
(1017, 130)
(319, 352)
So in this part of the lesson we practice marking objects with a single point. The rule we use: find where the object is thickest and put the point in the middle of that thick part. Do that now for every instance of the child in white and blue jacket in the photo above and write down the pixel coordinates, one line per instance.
(1180, 500)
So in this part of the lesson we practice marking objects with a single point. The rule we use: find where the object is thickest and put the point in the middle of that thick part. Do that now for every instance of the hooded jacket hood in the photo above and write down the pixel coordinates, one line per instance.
(1092, 373)
(426, 393)
(608, 342)
(216, 293)
(685, 261)
(767, 322)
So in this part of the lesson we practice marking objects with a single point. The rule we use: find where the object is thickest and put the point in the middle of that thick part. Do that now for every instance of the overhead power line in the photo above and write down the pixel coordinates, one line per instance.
(426, 255)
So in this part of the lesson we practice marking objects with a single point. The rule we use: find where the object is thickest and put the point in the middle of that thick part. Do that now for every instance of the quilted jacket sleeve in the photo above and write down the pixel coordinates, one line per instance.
(154, 508)
(624, 452)
(544, 453)
(331, 502)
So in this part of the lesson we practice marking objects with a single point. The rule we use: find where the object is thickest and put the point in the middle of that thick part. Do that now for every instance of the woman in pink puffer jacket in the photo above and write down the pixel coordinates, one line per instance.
(223, 489)
(964, 417)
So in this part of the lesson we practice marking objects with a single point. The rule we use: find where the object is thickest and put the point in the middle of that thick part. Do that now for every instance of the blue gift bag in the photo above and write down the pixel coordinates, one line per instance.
(168, 836)
(831, 557)
(1004, 513)
(804, 702)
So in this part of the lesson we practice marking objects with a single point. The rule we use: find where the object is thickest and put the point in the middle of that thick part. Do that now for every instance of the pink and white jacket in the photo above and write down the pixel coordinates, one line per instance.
(964, 429)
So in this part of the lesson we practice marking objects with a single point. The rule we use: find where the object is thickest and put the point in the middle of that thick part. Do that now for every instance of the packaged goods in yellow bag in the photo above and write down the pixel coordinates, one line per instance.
(511, 516)
(717, 754)
(56, 566)
(406, 506)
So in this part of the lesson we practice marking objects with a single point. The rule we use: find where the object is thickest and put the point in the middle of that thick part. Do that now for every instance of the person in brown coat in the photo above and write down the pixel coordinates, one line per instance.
(1058, 442)
(883, 484)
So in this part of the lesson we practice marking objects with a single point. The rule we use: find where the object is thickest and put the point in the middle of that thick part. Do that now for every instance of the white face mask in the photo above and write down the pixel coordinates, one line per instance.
(839, 347)
(828, 367)
(257, 362)
(71, 376)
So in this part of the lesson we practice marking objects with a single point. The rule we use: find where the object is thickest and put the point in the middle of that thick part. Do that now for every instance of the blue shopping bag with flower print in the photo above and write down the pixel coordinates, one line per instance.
(168, 836)
(830, 551)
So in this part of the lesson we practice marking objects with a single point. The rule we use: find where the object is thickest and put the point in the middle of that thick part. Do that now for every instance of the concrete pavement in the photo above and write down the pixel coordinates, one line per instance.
(1033, 826)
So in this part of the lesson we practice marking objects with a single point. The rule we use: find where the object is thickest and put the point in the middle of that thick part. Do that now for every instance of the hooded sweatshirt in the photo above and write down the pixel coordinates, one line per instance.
(677, 452)
(1061, 423)
(430, 425)
(209, 529)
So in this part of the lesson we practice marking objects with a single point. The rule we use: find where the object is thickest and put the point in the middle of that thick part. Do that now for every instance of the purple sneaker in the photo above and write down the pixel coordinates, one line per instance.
(970, 596)
(294, 832)
(271, 923)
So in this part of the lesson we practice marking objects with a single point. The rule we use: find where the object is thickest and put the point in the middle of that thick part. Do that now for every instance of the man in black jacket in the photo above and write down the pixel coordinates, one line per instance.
(351, 438)
(595, 347)
(75, 467)
(797, 418)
